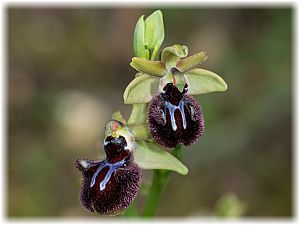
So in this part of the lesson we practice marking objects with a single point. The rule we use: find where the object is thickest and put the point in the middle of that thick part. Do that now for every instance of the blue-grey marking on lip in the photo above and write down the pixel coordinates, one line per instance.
(112, 168)
(172, 109)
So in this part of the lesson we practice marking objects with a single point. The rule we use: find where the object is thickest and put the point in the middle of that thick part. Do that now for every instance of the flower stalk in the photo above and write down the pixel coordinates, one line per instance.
(159, 183)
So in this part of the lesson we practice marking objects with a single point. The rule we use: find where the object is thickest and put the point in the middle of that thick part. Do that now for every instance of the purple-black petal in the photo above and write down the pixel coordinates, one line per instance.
(120, 191)
(187, 123)
(109, 186)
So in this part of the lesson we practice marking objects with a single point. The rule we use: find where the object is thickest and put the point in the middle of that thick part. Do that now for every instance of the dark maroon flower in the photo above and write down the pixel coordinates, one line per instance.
(109, 186)
(175, 117)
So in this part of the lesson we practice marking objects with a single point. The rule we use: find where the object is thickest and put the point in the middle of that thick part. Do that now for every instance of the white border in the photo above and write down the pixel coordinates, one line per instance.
(147, 3)
(3, 116)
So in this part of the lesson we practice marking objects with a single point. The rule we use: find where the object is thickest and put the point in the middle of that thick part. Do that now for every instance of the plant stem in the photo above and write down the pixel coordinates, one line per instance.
(159, 182)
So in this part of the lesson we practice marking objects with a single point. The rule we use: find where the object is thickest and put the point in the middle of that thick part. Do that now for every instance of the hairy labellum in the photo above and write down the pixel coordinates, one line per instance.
(109, 186)
(175, 117)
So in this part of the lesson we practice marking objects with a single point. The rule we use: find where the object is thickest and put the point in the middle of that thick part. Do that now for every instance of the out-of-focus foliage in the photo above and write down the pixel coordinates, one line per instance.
(68, 69)
(230, 206)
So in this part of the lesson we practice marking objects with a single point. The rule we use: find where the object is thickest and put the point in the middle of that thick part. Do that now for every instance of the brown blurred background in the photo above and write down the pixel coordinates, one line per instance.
(68, 68)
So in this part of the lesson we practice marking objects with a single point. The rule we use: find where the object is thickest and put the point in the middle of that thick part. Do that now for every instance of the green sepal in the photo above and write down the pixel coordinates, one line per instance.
(172, 54)
(155, 68)
(202, 81)
(141, 89)
(149, 155)
(191, 62)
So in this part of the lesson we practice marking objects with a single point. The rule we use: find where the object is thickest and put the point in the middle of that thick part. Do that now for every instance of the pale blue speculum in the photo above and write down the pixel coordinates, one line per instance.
(112, 168)
(172, 108)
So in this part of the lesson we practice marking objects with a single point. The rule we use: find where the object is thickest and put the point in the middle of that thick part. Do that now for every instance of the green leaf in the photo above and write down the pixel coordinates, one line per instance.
(202, 81)
(150, 155)
(190, 62)
(172, 54)
(141, 89)
(138, 38)
(154, 32)
(155, 68)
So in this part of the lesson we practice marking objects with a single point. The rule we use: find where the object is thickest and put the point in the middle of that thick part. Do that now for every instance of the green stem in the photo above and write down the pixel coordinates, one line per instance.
(159, 182)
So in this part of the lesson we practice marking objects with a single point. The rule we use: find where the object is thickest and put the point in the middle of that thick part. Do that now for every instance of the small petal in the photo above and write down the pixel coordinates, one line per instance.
(154, 68)
(175, 117)
(191, 62)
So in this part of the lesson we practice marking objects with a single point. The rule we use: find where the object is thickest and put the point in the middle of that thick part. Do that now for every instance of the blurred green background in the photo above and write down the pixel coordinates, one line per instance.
(68, 68)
